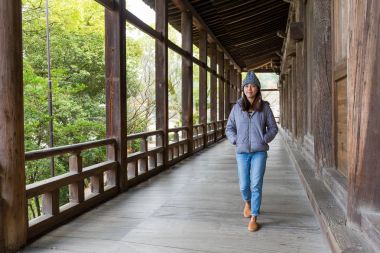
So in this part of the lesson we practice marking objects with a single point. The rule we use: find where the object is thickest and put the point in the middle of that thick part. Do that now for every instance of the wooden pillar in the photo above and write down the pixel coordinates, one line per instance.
(221, 86)
(162, 111)
(227, 89)
(203, 82)
(322, 85)
(213, 85)
(187, 76)
(12, 163)
(288, 100)
(363, 105)
(300, 73)
(294, 96)
(116, 93)
(232, 84)
(238, 84)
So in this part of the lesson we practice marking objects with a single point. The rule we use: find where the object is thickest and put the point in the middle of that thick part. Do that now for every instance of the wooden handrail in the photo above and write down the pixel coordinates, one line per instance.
(144, 134)
(74, 148)
(176, 129)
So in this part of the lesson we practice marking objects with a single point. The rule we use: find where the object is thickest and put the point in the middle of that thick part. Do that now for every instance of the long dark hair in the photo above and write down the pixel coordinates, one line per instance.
(257, 104)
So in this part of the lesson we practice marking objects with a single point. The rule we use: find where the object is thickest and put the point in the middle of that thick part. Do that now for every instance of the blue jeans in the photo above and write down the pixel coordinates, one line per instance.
(251, 169)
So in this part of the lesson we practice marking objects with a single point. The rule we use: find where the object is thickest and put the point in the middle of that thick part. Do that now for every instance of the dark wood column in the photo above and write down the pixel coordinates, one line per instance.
(300, 70)
(116, 90)
(202, 77)
(238, 84)
(363, 95)
(232, 85)
(221, 86)
(187, 76)
(322, 85)
(12, 162)
(294, 96)
(213, 83)
(162, 111)
(227, 88)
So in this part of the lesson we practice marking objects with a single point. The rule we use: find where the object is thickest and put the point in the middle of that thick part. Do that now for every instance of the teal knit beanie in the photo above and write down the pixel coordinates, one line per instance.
(251, 78)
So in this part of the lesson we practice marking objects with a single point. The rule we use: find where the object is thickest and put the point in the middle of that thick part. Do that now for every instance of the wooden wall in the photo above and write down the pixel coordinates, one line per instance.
(363, 109)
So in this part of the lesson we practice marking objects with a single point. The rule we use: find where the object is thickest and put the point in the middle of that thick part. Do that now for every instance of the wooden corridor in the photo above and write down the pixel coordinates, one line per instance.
(195, 206)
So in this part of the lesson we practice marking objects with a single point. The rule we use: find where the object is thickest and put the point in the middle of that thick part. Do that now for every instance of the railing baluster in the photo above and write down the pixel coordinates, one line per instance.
(50, 203)
(97, 183)
(143, 162)
(76, 189)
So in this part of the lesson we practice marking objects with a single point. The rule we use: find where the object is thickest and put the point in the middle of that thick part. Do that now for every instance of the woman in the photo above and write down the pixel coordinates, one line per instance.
(251, 126)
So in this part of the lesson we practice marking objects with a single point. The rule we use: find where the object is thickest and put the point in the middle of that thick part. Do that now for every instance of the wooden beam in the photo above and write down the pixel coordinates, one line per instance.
(187, 77)
(213, 84)
(116, 91)
(221, 85)
(12, 164)
(296, 31)
(162, 103)
(363, 95)
(201, 25)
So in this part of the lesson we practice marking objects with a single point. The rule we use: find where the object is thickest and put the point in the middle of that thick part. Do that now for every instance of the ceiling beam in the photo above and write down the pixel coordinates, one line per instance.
(184, 5)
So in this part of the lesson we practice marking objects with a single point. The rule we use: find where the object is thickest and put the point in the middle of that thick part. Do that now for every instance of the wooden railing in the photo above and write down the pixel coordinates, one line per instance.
(178, 145)
(146, 157)
(147, 160)
(102, 177)
(199, 137)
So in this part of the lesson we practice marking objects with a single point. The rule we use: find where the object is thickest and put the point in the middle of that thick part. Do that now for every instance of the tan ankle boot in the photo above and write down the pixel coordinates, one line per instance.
(247, 210)
(253, 225)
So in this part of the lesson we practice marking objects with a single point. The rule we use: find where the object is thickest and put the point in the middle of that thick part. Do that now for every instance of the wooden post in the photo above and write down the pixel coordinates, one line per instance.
(221, 86)
(76, 190)
(363, 105)
(116, 94)
(12, 161)
(232, 84)
(300, 74)
(187, 77)
(203, 82)
(162, 112)
(322, 85)
(213, 84)
(294, 93)
(227, 88)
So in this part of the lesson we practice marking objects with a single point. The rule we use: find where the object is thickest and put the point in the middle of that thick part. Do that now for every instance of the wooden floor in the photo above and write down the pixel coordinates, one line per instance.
(196, 207)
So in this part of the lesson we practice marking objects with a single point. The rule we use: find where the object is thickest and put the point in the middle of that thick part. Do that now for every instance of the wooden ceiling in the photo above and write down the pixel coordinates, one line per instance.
(247, 29)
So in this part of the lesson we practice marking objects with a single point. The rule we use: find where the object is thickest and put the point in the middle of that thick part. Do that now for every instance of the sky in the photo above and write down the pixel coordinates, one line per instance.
(142, 11)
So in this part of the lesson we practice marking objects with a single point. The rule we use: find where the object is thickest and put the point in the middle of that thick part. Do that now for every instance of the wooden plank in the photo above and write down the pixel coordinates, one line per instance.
(363, 95)
(221, 86)
(116, 92)
(12, 164)
(74, 148)
(213, 83)
(162, 113)
(187, 77)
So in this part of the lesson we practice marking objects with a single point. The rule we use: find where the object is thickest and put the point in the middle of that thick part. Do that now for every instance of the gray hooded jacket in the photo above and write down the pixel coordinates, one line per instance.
(251, 134)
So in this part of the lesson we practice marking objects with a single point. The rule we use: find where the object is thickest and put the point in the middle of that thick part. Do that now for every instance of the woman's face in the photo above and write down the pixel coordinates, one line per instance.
(250, 90)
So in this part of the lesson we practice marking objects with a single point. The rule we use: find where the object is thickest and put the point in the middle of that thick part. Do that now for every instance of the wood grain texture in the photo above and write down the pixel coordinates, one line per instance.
(363, 95)
(12, 164)
(187, 77)
(221, 96)
(322, 84)
(116, 90)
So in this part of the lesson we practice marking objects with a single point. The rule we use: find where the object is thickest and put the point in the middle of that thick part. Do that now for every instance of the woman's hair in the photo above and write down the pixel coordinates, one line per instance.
(257, 104)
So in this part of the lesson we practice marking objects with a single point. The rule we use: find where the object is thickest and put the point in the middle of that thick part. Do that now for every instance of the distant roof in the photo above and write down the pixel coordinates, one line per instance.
(247, 29)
